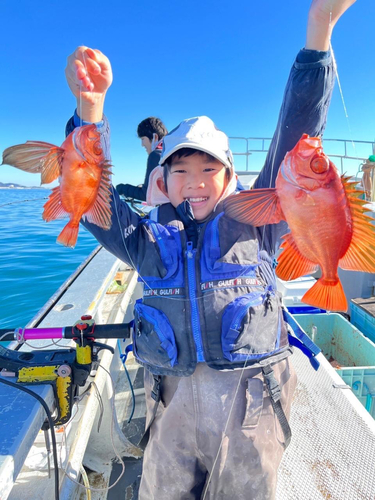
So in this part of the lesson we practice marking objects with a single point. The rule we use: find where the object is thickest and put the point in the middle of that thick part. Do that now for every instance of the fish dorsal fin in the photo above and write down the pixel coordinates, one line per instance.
(100, 214)
(53, 208)
(255, 206)
(360, 255)
(36, 157)
(291, 263)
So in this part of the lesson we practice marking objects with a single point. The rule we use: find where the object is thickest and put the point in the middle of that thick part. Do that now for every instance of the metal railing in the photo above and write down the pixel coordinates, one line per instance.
(346, 154)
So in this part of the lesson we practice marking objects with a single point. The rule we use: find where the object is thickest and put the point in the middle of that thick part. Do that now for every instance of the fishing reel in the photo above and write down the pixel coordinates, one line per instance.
(65, 369)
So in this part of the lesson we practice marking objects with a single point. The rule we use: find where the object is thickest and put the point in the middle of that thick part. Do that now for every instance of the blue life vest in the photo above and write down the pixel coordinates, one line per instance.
(215, 302)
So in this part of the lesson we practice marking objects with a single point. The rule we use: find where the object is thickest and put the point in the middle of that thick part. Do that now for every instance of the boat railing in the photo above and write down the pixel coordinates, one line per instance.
(348, 155)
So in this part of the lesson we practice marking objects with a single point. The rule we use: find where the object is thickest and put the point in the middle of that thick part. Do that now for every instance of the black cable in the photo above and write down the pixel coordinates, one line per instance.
(50, 421)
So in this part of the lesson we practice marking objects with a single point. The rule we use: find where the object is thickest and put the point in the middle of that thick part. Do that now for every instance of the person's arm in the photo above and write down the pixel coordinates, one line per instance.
(304, 109)
(323, 16)
(122, 239)
(309, 88)
(139, 193)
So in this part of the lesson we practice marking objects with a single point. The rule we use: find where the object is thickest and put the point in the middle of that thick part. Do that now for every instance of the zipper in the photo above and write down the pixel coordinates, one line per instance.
(190, 255)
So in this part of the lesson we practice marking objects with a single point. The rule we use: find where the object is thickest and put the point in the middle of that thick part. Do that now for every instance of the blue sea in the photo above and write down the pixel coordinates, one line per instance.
(32, 264)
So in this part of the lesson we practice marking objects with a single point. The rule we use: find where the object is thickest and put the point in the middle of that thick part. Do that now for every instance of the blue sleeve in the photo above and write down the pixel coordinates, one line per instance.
(304, 109)
(122, 239)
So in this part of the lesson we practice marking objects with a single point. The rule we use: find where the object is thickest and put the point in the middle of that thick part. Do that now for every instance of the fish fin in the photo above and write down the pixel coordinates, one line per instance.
(100, 213)
(255, 206)
(69, 234)
(52, 165)
(36, 157)
(360, 256)
(53, 208)
(291, 263)
(326, 295)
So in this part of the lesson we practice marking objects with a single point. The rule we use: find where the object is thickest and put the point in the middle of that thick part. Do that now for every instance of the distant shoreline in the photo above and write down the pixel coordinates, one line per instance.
(20, 187)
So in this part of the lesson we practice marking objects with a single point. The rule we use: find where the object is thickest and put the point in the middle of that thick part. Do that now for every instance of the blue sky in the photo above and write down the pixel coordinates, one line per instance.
(173, 59)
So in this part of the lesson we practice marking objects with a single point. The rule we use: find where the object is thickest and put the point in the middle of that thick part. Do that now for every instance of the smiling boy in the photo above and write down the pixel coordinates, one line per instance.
(209, 329)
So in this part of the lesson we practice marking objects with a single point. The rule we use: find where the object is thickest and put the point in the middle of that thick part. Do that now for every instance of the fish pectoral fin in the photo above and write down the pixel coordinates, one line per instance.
(360, 255)
(53, 208)
(52, 165)
(255, 206)
(35, 157)
(101, 213)
(291, 263)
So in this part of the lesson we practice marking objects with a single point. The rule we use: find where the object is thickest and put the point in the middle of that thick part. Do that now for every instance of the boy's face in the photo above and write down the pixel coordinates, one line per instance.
(199, 179)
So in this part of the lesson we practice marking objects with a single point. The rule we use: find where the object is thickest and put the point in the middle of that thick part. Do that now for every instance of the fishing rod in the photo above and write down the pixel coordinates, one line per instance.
(92, 330)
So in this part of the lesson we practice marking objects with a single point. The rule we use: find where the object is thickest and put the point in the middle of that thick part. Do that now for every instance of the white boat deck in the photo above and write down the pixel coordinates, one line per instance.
(331, 455)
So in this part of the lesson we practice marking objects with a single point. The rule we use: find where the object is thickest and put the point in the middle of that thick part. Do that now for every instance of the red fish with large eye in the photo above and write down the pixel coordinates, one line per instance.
(84, 178)
(328, 226)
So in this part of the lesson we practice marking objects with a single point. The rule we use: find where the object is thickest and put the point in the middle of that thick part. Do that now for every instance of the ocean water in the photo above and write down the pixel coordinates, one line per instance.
(32, 264)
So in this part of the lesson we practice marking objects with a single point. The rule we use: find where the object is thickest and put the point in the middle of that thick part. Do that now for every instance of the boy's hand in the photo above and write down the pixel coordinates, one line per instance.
(89, 75)
(323, 15)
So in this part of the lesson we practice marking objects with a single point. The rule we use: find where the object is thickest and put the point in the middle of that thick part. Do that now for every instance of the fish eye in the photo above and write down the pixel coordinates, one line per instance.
(319, 164)
(97, 148)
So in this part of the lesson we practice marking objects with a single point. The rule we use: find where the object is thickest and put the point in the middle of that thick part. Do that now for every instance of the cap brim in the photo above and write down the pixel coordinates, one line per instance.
(192, 145)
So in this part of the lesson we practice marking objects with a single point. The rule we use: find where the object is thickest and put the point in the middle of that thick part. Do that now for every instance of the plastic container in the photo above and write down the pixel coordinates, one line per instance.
(293, 291)
(362, 382)
(340, 341)
(356, 284)
(348, 350)
(305, 310)
(363, 320)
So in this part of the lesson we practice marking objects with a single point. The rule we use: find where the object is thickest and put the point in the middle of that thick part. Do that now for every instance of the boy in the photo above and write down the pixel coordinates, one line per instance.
(209, 330)
(151, 131)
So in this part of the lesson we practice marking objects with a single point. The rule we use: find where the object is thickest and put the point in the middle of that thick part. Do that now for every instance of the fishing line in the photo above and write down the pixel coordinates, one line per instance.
(340, 89)
(80, 92)
(112, 442)
(234, 400)
(256, 326)
(51, 424)
(343, 102)
(23, 201)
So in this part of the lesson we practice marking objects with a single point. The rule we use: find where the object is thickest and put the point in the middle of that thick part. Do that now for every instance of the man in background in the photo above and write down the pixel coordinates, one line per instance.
(151, 132)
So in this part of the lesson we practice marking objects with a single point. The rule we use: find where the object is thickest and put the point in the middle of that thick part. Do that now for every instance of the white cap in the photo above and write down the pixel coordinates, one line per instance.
(198, 133)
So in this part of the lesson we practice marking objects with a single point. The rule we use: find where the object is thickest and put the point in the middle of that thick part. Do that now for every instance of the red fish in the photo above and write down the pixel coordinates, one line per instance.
(84, 178)
(328, 226)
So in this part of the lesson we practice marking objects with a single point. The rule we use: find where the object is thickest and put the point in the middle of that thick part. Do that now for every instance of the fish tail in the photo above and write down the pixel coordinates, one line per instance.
(69, 234)
(326, 294)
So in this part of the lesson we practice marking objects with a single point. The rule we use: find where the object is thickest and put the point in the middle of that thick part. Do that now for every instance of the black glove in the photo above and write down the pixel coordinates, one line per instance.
(120, 188)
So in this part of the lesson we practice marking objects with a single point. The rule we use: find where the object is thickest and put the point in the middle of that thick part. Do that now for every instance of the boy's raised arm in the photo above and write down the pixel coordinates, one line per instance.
(89, 75)
(323, 15)
(309, 88)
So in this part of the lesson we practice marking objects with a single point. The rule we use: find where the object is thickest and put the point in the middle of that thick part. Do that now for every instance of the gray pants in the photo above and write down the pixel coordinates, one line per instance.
(215, 436)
